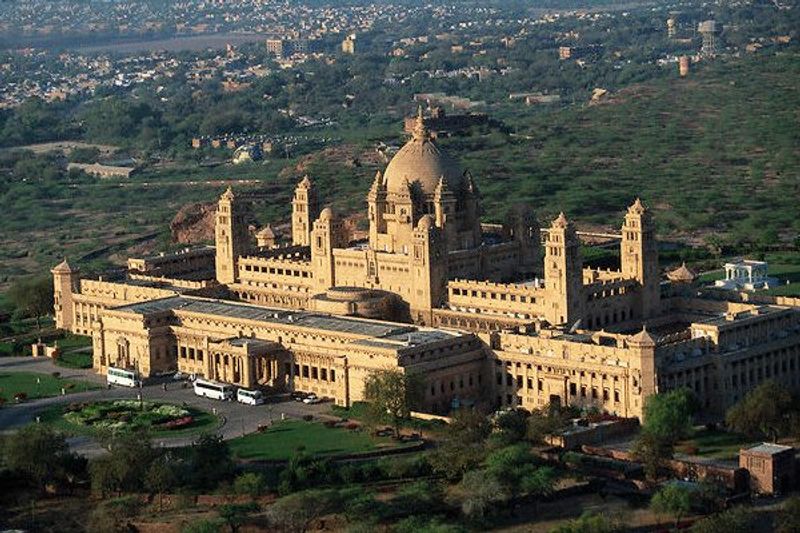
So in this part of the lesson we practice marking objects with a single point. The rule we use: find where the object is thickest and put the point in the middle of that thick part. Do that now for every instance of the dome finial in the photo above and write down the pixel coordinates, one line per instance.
(420, 131)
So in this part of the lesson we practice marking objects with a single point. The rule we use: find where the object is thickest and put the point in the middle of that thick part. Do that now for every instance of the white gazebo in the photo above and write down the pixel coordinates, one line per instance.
(746, 274)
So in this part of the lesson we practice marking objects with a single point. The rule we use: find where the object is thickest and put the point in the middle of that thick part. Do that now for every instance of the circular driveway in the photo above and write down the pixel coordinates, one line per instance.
(236, 419)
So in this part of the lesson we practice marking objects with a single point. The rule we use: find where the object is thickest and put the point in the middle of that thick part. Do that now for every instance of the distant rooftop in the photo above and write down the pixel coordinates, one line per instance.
(768, 448)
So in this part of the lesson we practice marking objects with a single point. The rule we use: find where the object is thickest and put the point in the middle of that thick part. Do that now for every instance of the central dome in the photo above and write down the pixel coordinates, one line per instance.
(421, 161)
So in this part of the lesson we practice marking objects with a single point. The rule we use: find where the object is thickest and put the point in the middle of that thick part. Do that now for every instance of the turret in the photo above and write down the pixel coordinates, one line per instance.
(523, 227)
(428, 270)
(563, 273)
(472, 209)
(376, 205)
(327, 235)
(444, 207)
(232, 237)
(305, 207)
(66, 282)
(639, 256)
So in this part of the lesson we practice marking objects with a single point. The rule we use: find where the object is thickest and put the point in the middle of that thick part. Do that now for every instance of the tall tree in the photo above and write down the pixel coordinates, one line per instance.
(39, 453)
(391, 394)
(479, 494)
(33, 297)
(763, 411)
(159, 478)
(296, 512)
(673, 500)
(668, 416)
(209, 462)
(516, 470)
(464, 446)
(236, 514)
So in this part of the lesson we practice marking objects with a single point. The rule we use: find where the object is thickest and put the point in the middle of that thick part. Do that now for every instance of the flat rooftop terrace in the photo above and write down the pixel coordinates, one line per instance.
(384, 333)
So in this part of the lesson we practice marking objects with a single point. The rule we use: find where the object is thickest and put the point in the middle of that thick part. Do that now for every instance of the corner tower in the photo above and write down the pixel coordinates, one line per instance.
(639, 256)
(563, 273)
(305, 208)
(232, 238)
(65, 283)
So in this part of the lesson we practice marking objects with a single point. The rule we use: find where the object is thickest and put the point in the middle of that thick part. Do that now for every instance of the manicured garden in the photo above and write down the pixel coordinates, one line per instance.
(32, 385)
(286, 438)
(160, 419)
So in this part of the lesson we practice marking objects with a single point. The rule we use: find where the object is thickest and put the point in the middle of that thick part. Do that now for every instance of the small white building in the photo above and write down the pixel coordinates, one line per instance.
(746, 274)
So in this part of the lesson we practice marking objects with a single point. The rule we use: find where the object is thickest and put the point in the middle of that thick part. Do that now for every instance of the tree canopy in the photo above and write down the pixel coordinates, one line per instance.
(764, 411)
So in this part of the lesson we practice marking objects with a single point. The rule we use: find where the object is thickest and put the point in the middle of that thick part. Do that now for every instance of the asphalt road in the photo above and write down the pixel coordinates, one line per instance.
(236, 419)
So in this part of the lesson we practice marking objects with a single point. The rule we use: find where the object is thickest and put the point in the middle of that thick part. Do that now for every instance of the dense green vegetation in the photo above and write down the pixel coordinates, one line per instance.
(713, 155)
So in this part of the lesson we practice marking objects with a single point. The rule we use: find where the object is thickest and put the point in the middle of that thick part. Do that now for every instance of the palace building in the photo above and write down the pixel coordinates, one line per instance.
(496, 314)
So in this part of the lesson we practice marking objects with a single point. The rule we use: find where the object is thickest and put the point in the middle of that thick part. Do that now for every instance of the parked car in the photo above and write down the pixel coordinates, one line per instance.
(311, 399)
(298, 396)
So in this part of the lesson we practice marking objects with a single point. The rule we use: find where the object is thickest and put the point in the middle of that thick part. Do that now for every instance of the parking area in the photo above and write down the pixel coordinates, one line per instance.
(236, 419)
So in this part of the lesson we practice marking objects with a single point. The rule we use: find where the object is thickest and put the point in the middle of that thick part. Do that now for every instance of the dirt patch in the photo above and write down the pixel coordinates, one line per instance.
(194, 223)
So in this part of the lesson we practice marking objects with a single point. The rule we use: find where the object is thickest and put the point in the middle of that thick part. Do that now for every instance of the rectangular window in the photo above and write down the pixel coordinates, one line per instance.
(519, 382)
(324, 374)
(530, 383)
(573, 389)
(314, 373)
(616, 396)
(605, 395)
(296, 369)
(333, 375)
(540, 385)
(305, 371)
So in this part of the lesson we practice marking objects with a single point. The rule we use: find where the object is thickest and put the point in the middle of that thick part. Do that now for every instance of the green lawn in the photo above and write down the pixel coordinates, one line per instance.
(75, 360)
(715, 444)
(203, 421)
(15, 382)
(284, 439)
(358, 411)
(73, 342)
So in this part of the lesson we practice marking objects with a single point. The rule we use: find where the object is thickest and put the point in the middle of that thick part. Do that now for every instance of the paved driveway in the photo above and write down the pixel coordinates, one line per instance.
(237, 419)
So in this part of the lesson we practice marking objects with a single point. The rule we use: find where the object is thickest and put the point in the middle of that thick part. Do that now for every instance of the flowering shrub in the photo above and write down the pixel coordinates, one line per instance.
(178, 423)
(124, 414)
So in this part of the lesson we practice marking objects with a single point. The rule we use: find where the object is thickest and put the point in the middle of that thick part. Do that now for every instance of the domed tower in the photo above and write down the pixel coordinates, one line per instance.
(422, 180)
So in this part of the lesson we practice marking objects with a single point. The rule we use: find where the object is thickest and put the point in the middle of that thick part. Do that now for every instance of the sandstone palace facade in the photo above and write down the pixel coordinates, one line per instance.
(502, 315)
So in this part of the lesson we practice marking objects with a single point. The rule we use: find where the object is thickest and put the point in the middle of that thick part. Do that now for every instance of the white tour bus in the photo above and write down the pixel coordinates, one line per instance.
(211, 389)
(250, 397)
(119, 376)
